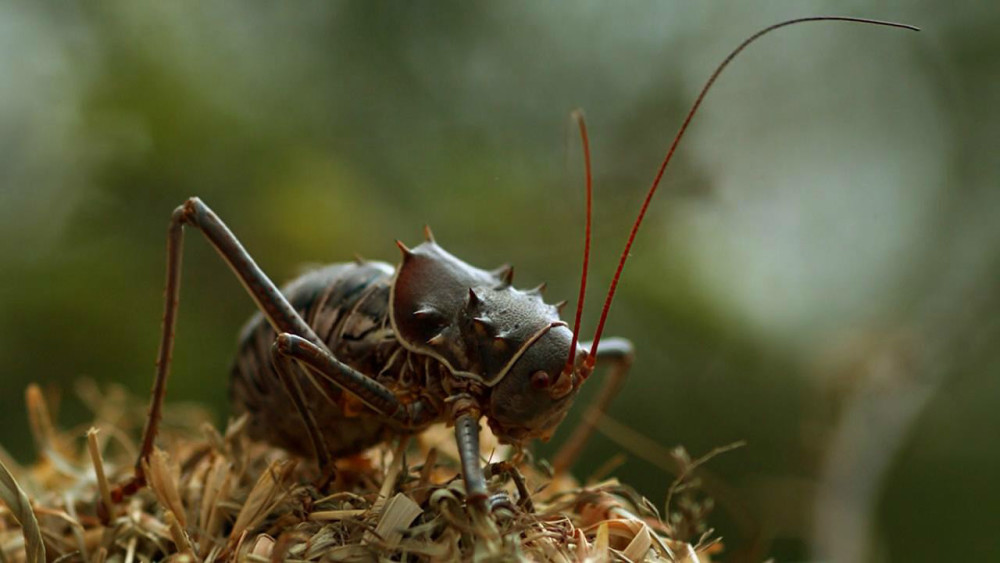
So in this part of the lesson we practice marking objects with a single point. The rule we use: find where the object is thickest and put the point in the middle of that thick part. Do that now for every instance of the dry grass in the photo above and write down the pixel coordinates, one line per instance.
(216, 497)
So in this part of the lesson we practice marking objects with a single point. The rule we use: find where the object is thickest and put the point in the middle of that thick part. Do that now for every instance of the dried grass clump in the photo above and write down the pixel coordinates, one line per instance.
(214, 497)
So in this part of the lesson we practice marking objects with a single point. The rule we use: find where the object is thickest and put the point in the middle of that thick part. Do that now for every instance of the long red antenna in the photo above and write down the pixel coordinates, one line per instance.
(578, 116)
(673, 146)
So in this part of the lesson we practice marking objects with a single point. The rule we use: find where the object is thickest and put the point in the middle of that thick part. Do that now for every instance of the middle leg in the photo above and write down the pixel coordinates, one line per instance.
(375, 395)
(464, 413)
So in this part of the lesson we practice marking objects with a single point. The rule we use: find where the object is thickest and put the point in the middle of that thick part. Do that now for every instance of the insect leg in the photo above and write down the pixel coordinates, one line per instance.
(278, 311)
(618, 352)
(465, 412)
(269, 299)
(286, 368)
(371, 392)
(467, 439)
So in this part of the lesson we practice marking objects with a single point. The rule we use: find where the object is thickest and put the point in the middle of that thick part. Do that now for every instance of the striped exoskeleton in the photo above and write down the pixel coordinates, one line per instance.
(364, 351)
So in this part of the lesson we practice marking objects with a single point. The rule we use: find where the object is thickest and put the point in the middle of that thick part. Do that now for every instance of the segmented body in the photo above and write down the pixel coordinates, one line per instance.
(347, 305)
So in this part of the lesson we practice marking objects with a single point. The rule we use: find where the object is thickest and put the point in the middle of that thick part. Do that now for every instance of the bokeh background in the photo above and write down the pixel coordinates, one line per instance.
(818, 275)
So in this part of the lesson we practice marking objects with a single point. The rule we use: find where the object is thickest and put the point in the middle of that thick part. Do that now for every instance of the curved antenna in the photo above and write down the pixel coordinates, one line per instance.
(578, 116)
(680, 133)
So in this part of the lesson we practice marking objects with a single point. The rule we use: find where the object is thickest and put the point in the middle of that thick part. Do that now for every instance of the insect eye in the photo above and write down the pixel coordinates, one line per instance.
(540, 379)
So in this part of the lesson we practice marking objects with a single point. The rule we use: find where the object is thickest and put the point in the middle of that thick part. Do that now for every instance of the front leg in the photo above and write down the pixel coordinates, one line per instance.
(465, 413)
(618, 352)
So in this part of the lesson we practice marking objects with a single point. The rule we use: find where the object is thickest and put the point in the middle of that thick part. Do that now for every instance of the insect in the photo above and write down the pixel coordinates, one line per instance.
(364, 351)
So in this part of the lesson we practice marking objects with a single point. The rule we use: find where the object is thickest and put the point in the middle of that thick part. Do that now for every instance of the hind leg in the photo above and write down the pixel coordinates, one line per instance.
(279, 313)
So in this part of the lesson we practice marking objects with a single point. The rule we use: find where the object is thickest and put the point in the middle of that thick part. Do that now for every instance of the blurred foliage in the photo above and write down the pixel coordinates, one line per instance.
(818, 276)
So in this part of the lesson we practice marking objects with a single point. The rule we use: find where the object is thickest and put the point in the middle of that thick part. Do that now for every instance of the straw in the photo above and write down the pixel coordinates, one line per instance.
(215, 495)
(20, 507)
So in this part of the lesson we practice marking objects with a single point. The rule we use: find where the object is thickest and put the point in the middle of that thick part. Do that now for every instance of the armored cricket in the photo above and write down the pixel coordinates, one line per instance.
(365, 351)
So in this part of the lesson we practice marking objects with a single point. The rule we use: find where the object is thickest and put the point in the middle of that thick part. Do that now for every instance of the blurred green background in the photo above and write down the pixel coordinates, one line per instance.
(818, 275)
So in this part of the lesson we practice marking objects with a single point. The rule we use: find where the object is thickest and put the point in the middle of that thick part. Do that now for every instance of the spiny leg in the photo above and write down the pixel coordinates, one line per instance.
(279, 313)
(618, 352)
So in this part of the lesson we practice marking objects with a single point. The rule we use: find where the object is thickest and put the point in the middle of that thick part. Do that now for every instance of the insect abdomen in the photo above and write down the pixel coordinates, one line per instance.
(347, 307)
